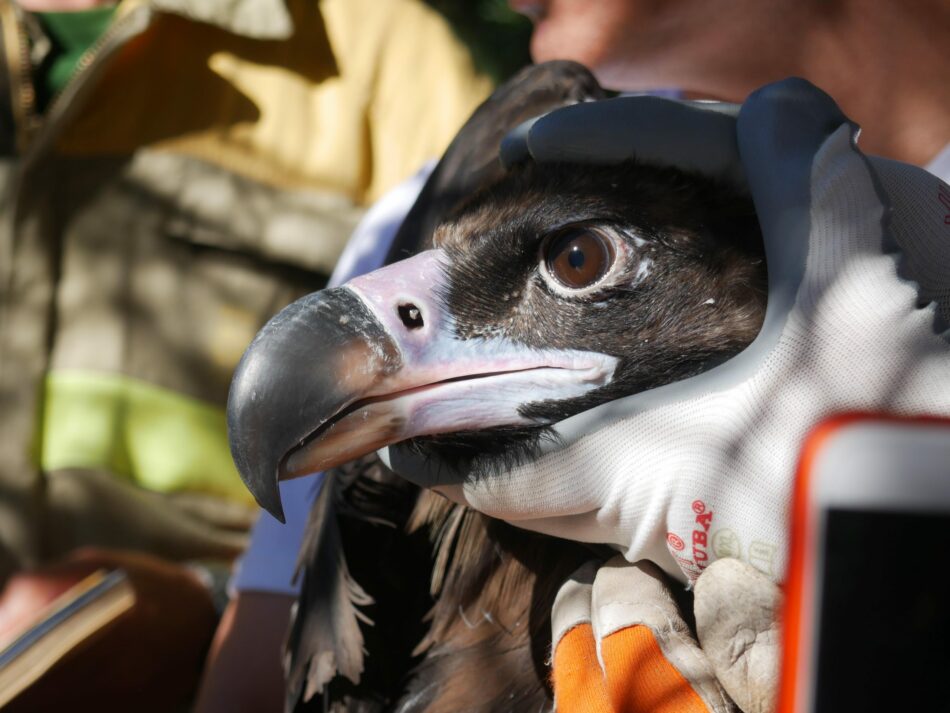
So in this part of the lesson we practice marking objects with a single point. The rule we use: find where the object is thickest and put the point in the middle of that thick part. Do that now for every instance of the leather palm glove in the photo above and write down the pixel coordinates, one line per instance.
(621, 644)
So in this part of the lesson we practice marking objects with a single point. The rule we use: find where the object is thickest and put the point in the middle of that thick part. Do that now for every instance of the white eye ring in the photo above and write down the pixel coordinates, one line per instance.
(615, 250)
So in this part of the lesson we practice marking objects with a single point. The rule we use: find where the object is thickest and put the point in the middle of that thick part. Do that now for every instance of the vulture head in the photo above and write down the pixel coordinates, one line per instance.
(551, 290)
(516, 296)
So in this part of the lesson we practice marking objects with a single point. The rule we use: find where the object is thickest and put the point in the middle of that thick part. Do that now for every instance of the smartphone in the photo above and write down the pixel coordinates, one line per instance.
(867, 614)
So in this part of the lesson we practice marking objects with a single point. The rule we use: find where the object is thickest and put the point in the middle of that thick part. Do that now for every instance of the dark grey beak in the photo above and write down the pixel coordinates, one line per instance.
(294, 376)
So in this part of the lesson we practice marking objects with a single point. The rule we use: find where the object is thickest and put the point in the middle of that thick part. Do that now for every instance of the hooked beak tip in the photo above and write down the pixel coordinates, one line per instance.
(252, 444)
(262, 482)
(269, 500)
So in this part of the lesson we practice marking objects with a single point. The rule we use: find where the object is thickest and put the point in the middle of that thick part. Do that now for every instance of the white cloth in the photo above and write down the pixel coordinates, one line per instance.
(270, 561)
(711, 476)
(703, 469)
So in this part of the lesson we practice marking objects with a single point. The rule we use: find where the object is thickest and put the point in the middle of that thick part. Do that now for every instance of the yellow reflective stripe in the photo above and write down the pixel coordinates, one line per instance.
(155, 437)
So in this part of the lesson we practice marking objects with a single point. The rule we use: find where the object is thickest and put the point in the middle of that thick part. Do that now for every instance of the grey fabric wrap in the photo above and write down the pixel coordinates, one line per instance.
(694, 136)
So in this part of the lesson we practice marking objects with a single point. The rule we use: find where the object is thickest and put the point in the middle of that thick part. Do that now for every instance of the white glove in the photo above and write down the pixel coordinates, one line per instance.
(702, 469)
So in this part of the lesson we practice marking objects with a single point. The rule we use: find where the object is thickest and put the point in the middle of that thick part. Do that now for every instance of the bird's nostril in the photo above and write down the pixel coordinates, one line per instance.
(411, 316)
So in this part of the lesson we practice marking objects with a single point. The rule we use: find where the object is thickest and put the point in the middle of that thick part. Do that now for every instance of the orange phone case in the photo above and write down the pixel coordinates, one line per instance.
(798, 609)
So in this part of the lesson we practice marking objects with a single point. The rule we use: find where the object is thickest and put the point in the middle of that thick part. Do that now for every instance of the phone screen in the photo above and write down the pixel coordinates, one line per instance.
(885, 612)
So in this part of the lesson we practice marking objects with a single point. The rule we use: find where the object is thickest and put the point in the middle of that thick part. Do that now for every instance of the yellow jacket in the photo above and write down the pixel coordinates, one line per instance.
(203, 168)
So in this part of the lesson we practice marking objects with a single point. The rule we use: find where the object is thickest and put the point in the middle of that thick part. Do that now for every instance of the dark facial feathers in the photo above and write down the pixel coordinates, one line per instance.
(691, 293)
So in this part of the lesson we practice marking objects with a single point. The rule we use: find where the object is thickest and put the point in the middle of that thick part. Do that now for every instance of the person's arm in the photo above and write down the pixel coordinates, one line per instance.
(243, 671)
(247, 647)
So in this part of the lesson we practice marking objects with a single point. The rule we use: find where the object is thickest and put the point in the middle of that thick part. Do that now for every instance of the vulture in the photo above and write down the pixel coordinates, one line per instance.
(515, 297)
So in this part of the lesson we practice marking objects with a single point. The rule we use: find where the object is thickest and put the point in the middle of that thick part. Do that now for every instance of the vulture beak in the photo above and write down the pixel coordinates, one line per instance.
(349, 370)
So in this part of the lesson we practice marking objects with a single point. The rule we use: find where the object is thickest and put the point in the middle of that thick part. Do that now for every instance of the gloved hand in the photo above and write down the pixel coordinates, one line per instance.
(858, 303)
(622, 646)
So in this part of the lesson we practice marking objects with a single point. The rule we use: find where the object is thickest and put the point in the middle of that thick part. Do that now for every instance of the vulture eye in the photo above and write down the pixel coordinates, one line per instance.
(578, 256)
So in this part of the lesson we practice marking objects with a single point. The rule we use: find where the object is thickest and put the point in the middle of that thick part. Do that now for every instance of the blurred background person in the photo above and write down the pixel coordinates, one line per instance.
(883, 62)
(171, 174)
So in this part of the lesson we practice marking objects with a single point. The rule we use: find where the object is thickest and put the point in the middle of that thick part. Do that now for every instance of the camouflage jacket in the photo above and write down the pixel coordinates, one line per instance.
(202, 168)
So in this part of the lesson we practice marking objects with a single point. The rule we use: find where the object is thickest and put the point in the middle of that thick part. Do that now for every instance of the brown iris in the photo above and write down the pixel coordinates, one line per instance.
(578, 257)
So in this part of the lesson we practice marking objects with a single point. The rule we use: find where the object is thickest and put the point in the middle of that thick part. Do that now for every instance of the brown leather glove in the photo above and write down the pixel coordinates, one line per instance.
(621, 644)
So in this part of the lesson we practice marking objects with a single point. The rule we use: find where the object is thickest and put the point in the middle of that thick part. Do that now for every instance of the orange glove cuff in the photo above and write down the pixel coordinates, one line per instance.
(637, 678)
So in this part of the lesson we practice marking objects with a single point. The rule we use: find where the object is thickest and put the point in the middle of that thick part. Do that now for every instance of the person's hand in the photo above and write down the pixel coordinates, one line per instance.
(621, 644)
(149, 659)
(27, 592)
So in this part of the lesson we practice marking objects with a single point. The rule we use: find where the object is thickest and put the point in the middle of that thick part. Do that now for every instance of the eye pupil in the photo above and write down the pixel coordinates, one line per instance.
(578, 257)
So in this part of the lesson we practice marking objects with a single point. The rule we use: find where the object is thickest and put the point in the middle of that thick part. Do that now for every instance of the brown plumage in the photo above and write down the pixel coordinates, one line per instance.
(458, 616)
(452, 609)
(489, 642)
